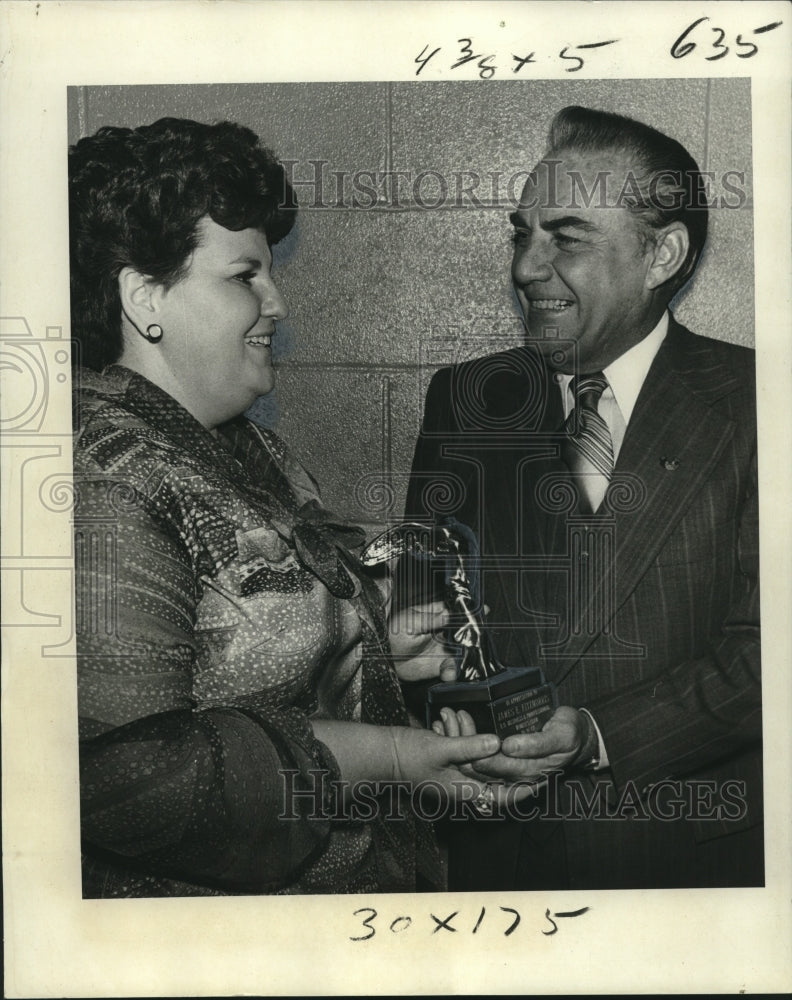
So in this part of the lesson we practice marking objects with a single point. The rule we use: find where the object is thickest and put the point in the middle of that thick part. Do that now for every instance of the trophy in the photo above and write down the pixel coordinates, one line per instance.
(501, 700)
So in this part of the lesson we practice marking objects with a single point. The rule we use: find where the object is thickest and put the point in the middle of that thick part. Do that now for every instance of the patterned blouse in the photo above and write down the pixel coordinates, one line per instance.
(219, 609)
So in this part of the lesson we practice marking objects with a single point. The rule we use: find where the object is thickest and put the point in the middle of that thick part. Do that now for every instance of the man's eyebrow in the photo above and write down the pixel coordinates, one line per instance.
(552, 225)
(568, 221)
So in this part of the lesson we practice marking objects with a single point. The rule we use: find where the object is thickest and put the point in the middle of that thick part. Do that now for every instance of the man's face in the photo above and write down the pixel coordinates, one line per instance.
(580, 274)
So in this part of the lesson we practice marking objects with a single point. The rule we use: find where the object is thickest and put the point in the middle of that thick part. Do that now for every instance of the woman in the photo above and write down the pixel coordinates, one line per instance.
(233, 664)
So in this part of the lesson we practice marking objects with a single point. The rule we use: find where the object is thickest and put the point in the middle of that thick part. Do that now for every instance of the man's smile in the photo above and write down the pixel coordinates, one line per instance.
(548, 305)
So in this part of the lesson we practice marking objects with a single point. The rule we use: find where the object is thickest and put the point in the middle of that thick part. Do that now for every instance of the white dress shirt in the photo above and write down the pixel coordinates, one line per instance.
(626, 376)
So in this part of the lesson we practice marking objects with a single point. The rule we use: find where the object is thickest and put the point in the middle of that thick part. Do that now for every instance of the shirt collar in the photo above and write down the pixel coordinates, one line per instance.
(626, 375)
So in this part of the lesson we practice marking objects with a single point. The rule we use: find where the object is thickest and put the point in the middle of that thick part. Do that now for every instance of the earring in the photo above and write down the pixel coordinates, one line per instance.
(153, 333)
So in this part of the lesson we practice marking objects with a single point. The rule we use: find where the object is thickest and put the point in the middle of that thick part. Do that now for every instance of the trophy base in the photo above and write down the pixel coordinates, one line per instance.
(514, 701)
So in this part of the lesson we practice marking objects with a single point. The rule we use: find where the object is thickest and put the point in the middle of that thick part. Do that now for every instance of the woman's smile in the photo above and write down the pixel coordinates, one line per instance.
(227, 297)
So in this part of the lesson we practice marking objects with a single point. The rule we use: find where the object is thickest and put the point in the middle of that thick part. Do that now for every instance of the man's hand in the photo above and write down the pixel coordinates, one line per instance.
(525, 757)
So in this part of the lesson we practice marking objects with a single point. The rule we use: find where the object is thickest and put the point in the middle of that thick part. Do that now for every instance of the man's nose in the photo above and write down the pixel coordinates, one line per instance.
(273, 304)
(532, 263)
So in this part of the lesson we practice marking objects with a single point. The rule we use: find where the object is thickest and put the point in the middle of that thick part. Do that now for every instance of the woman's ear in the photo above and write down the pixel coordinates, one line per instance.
(670, 250)
(138, 298)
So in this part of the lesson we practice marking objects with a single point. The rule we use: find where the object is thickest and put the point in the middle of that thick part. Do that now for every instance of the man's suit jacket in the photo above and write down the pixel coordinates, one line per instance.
(645, 613)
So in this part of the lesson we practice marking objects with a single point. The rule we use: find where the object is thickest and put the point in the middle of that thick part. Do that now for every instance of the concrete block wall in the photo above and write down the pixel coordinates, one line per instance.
(381, 296)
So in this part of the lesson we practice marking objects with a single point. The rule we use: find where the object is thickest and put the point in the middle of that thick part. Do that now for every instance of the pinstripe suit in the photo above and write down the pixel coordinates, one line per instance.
(645, 613)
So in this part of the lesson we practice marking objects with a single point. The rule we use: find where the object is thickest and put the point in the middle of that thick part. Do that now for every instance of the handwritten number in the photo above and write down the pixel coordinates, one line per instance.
(568, 913)
(422, 61)
(750, 45)
(486, 72)
(679, 51)
(718, 45)
(514, 923)
(682, 47)
(400, 924)
(467, 53)
(571, 69)
(555, 925)
(366, 923)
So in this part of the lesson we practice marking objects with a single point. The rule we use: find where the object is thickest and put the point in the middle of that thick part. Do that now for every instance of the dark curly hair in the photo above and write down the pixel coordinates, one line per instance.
(671, 187)
(136, 197)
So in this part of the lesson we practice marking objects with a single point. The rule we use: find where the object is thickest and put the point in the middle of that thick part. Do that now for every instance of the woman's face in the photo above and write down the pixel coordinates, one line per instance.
(218, 322)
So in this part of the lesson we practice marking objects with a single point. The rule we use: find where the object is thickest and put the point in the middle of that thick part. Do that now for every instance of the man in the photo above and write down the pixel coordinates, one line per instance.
(609, 469)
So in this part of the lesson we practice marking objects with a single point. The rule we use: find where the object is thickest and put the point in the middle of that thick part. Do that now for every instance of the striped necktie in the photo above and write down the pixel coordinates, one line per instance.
(588, 447)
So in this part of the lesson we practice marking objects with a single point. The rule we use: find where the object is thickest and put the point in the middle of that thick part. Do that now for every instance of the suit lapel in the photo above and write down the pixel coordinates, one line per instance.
(670, 449)
(672, 444)
(516, 527)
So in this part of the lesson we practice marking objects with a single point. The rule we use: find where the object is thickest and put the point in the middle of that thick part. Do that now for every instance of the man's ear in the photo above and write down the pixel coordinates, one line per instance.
(138, 298)
(668, 255)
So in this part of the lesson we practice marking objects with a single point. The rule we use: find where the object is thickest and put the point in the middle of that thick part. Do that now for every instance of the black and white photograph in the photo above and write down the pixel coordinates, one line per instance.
(388, 482)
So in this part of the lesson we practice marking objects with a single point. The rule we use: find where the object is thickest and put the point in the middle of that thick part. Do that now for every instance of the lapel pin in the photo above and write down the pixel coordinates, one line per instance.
(670, 464)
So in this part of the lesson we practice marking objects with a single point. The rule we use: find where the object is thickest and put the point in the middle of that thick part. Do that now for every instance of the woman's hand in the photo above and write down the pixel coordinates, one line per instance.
(483, 771)
(423, 756)
(419, 652)
(443, 765)
(401, 753)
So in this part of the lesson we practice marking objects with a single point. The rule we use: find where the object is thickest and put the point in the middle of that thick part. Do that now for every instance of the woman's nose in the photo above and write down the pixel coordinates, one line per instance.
(273, 303)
